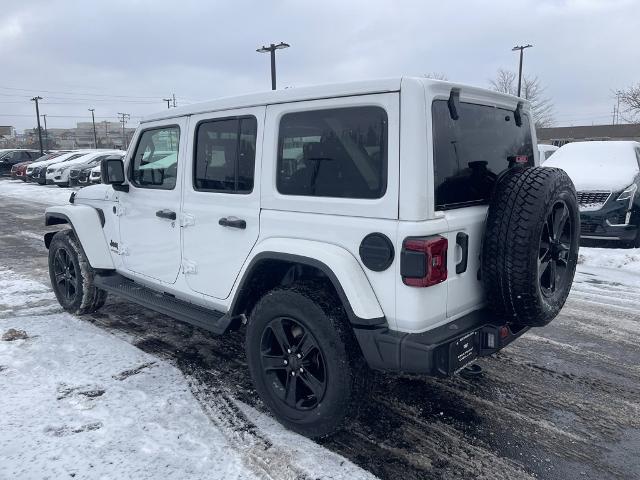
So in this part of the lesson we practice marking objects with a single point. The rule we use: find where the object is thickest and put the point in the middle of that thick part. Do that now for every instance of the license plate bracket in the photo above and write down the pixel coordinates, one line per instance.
(463, 351)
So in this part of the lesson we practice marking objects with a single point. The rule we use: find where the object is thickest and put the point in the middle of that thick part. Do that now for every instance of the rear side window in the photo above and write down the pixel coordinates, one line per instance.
(471, 152)
(339, 152)
(155, 161)
(225, 155)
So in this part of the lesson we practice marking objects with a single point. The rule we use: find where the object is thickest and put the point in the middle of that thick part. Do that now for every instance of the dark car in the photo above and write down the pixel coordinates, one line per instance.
(607, 179)
(77, 174)
(9, 158)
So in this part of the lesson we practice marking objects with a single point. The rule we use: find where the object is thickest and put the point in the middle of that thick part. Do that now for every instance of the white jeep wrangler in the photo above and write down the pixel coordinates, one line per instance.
(399, 225)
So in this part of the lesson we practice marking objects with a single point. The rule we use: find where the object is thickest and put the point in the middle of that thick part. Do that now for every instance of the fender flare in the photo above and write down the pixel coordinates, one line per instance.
(87, 224)
(339, 265)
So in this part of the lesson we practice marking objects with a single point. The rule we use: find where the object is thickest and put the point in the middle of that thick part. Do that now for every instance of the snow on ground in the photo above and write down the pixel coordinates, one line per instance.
(78, 401)
(612, 264)
(32, 192)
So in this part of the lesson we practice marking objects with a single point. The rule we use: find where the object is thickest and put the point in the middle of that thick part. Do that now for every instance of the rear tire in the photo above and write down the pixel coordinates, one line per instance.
(316, 394)
(72, 276)
(531, 242)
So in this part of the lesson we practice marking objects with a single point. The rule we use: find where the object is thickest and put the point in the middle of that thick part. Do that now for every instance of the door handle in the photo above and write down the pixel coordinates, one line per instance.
(462, 240)
(232, 222)
(168, 214)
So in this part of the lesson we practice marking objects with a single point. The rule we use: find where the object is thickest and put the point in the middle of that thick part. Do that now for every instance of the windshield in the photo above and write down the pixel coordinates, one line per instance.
(472, 151)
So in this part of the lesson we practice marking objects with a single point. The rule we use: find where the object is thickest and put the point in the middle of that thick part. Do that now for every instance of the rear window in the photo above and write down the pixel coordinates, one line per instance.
(471, 152)
(340, 152)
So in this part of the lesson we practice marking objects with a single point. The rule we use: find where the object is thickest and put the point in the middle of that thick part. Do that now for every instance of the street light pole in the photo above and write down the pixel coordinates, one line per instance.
(168, 100)
(521, 48)
(93, 120)
(35, 99)
(46, 132)
(271, 49)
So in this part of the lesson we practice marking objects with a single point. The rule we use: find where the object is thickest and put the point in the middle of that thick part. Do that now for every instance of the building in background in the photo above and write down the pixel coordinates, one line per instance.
(109, 135)
(558, 136)
(7, 135)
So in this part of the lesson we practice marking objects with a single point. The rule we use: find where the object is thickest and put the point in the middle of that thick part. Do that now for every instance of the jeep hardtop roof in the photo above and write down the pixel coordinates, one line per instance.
(317, 92)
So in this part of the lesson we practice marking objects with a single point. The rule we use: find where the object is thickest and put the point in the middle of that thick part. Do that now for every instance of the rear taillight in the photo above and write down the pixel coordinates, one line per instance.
(423, 261)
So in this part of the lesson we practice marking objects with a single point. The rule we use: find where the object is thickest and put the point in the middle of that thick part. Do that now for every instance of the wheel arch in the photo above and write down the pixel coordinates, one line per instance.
(270, 268)
(87, 223)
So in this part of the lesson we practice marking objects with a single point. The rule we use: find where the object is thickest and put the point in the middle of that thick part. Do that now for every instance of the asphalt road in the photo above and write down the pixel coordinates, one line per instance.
(560, 403)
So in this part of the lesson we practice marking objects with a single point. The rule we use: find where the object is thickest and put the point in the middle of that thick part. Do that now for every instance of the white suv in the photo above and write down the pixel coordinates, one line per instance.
(398, 224)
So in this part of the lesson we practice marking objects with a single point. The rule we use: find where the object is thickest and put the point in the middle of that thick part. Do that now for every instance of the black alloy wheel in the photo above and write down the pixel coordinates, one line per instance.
(65, 274)
(555, 249)
(293, 363)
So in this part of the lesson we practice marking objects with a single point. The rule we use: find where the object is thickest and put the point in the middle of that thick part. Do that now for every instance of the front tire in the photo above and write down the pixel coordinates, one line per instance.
(304, 361)
(72, 276)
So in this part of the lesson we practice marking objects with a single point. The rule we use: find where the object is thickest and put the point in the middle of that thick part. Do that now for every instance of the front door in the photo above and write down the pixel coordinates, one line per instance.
(221, 203)
(149, 224)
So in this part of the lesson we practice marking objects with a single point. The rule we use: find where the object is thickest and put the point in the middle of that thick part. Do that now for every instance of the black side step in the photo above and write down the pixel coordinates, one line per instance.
(202, 317)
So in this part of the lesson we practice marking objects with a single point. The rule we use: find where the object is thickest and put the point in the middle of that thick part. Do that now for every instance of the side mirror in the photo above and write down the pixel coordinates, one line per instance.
(112, 172)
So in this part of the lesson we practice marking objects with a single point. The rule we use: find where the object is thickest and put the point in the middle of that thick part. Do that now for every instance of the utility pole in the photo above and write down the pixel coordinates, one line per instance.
(618, 109)
(271, 49)
(123, 119)
(521, 48)
(35, 99)
(93, 120)
(168, 100)
(174, 100)
(46, 132)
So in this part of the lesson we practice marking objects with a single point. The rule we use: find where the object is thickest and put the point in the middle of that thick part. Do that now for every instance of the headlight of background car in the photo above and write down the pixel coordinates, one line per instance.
(628, 194)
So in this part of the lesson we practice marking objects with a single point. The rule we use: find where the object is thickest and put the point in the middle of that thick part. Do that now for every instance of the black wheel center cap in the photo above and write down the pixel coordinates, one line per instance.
(294, 362)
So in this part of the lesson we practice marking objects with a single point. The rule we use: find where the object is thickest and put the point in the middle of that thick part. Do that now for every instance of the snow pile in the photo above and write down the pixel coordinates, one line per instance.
(598, 165)
(32, 192)
(624, 259)
(79, 402)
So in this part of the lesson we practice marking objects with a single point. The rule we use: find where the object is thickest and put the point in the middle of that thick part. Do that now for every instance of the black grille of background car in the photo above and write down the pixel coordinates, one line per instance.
(83, 176)
(588, 227)
(589, 198)
(35, 171)
(74, 173)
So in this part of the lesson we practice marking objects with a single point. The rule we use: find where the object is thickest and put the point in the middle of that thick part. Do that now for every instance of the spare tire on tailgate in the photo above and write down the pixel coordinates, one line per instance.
(530, 247)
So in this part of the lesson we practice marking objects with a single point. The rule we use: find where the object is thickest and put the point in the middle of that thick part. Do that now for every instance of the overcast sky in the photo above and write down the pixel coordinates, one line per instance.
(126, 55)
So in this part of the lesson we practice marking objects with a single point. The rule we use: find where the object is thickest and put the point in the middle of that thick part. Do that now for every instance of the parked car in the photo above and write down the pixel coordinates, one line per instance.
(35, 166)
(607, 177)
(9, 158)
(545, 151)
(40, 168)
(58, 173)
(362, 224)
(76, 170)
(19, 170)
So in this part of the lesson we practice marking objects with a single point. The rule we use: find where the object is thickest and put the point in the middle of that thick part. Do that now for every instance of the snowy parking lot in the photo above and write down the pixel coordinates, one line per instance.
(125, 393)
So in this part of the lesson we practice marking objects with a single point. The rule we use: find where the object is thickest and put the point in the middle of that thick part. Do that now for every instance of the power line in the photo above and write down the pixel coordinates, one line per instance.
(76, 93)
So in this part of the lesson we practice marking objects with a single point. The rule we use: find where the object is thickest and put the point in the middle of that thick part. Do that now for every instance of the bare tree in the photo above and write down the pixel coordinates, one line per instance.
(630, 98)
(506, 81)
(436, 76)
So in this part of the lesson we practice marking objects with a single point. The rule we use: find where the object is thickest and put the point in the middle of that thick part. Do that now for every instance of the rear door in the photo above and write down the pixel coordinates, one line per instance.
(469, 155)
(221, 204)
(149, 226)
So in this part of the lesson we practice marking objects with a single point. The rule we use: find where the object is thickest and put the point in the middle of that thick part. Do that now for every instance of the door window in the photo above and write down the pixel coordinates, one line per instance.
(225, 155)
(155, 161)
(340, 152)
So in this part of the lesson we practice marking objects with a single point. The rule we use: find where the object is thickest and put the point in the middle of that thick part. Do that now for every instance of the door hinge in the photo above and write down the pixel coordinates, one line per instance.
(119, 210)
(189, 267)
(186, 219)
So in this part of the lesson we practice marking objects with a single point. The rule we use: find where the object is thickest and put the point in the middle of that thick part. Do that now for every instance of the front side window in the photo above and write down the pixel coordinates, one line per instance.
(339, 152)
(155, 161)
(225, 155)
(472, 151)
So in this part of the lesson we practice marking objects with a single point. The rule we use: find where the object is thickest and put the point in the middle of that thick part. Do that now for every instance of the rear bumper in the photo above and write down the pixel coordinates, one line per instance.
(441, 351)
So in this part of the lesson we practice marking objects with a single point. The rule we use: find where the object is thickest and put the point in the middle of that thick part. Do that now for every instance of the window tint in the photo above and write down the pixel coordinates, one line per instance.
(155, 161)
(339, 152)
(470, 153)
(225, 155)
